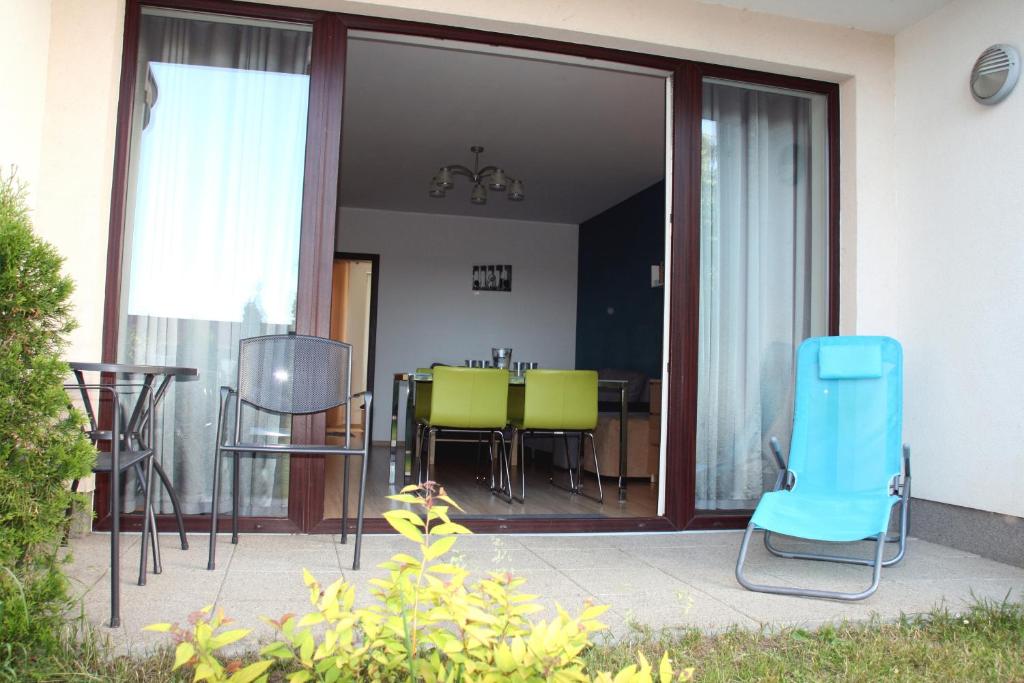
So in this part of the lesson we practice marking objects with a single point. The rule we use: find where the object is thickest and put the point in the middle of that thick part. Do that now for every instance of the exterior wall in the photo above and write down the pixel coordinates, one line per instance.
(73, 187)
(427, 311)
(961, 265)
(76, 156)
(25, 42)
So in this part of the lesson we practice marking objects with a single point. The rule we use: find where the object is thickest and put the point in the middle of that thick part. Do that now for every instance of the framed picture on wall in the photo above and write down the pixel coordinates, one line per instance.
(492, 278)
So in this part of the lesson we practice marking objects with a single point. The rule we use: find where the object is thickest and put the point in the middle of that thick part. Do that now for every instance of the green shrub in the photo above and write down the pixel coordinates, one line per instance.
(42, 446)
(428, 624)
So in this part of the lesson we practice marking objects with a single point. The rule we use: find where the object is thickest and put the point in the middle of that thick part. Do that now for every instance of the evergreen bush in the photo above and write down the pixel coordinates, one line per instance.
(42, 446)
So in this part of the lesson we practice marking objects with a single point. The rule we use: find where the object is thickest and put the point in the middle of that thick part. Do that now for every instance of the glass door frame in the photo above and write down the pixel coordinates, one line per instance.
(317, 242)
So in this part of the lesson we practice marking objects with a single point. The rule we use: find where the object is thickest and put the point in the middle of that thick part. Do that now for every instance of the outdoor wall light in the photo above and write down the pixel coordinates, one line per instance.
(995, 74)
(488, 177)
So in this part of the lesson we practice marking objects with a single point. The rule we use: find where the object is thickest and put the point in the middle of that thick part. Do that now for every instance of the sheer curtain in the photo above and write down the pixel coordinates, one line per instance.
(763, 278)
(211, 253)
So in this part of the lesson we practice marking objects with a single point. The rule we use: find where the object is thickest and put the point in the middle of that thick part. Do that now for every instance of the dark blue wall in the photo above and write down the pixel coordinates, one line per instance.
(616, 251)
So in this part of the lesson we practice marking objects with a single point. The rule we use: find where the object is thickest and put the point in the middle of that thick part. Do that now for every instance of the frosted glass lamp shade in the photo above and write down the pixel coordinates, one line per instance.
(479, 195)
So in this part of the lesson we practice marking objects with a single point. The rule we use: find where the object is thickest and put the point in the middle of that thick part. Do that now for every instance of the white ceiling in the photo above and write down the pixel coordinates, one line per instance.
(581, 138)
(880, 16)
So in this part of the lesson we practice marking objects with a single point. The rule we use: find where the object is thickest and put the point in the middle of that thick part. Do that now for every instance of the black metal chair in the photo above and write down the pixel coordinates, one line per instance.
(290, 374)
(130, 447)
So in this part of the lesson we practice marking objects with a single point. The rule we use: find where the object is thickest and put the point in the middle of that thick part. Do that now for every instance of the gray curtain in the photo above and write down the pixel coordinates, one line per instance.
(762, 279)
(211, 255)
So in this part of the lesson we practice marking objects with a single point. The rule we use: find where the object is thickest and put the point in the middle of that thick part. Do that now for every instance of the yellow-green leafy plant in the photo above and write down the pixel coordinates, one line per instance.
(428, 623)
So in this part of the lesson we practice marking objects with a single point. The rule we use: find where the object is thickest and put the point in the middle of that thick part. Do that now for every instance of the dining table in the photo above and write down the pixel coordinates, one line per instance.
(409, 379)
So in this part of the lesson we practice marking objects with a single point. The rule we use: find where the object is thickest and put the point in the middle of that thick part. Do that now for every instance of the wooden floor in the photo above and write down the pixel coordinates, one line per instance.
(457, 467)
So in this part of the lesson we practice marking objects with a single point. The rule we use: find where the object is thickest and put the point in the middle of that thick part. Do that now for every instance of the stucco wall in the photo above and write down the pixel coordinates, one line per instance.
(24, 52)
(71, 191)
(960, 174)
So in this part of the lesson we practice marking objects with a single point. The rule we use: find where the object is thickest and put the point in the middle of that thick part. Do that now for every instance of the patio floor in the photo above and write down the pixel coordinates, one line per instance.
(660, 580)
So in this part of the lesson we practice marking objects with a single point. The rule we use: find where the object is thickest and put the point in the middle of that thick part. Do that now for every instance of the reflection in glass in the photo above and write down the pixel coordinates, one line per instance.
(212, 226)
(763, 286)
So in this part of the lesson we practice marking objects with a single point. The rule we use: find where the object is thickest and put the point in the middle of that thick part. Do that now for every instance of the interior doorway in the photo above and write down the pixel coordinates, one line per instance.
(543, 245)
(354, 321)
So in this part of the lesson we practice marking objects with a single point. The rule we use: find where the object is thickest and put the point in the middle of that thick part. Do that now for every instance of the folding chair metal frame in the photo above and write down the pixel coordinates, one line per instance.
(786, 479)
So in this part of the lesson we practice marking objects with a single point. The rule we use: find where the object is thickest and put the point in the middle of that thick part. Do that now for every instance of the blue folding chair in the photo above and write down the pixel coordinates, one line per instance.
(844, 473)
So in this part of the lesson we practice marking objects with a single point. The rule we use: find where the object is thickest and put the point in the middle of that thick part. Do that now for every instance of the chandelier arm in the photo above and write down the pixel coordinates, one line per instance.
(486, 171)
(459, 169)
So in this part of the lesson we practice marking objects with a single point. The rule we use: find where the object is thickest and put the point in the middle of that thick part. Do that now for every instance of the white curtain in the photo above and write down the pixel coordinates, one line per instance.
(763, 279)
(211, 254)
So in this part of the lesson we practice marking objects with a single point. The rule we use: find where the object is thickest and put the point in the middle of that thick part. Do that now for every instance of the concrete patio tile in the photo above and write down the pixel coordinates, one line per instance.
(660, 581)
(150, 604)
(714, 565)
(499, 557)
(189, 589)
(701, 539)
(683, 608)
(783, 610)
(92, 553)
(274, 586)
(629, 579)
(266, 556)
(590, 541)
(956, 594)
(583, 558)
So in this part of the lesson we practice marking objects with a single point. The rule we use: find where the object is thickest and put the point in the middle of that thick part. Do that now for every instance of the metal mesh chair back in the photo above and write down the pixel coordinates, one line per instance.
(294, 374)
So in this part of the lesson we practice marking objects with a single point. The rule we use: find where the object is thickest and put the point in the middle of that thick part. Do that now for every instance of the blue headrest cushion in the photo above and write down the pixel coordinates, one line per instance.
(844, 361)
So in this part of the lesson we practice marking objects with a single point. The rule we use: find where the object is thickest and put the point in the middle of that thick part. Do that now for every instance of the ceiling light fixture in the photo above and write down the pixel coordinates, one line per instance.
(486, 178)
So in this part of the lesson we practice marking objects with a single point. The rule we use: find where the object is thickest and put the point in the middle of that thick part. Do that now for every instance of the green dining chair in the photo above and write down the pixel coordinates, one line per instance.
(468, 401)
(422, 403)
(557, 403)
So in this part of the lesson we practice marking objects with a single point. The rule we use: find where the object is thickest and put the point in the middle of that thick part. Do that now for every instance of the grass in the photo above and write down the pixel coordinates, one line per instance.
(984, 643)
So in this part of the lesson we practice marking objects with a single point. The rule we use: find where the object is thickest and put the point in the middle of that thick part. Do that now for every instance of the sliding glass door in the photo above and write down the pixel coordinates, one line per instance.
(224, 219)
(212, 224)
(763, 278)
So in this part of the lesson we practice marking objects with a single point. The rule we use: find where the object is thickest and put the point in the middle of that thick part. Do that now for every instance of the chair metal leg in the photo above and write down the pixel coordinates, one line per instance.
(597, 468)
(574, 482)
(431, 451)
(359, 511)
(210, 564)
(520, 450)
(344, 501)
(418, 452)
(876, 566)
(115, 527)
(506, 467)
(235, 495)
(574, 469)
(365, 466)
(503, 488)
